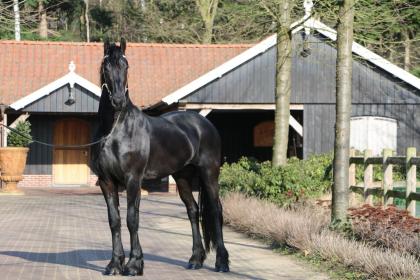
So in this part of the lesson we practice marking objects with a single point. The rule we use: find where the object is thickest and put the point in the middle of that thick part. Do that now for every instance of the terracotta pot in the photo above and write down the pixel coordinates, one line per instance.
(12, 164)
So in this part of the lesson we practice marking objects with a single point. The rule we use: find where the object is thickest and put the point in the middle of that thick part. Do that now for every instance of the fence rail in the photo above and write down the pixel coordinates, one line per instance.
(386, 187)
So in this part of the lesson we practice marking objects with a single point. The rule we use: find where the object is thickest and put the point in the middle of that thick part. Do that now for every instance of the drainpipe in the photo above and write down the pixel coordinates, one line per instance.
(3, 120)
(3, 139)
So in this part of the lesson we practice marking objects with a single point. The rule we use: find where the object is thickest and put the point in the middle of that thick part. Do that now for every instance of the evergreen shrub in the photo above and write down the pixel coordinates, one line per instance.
(296, 181)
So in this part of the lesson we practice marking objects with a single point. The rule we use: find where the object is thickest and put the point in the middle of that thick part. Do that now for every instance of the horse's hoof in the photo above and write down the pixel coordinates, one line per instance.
(197, 259)
(113, 271)
(134, 267)
(114, 268)
(194, 266)
(133, 272)
(222, 268)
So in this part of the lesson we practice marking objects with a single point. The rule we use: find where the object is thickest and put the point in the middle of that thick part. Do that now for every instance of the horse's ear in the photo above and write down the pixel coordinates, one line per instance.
(106, 46)
(123, 45)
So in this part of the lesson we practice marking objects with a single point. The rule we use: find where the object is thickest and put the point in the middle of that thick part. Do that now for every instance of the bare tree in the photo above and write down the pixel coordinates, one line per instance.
(281, 13)
(87, 20)
(43, 22)
(208, 11)
(343, 111)
(407, 52)
(17, 19)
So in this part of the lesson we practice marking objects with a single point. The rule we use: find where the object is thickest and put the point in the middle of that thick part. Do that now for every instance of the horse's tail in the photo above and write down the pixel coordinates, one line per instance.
(207, 221)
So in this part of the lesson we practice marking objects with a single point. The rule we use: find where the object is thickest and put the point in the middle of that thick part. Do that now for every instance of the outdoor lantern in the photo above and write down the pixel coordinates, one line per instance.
(71, 100)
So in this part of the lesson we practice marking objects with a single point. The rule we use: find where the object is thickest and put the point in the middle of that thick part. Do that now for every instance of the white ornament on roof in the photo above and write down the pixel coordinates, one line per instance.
(308, 5)
(72, 66)
(72, 74)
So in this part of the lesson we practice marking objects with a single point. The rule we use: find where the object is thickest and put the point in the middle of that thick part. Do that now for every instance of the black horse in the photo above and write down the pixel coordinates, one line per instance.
(136, 147)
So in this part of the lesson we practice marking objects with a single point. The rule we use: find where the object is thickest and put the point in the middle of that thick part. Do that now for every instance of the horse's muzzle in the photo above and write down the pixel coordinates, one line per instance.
(118, 103)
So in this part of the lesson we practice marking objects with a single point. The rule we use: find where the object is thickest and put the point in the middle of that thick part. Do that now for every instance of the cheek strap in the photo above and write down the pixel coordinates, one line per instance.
(105, 85)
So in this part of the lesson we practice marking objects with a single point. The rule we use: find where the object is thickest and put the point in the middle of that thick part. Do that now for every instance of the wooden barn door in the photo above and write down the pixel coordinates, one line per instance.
(71, 164)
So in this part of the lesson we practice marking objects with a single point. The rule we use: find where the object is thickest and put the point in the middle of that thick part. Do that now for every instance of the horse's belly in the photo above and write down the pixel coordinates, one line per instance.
(162, 168)
(164, 162)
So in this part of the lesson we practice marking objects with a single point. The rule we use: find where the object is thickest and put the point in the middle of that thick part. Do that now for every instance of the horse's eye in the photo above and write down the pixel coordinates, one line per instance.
(123, 62)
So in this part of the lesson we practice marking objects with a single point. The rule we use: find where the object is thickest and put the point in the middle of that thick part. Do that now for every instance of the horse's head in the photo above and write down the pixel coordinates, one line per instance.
(114, 71)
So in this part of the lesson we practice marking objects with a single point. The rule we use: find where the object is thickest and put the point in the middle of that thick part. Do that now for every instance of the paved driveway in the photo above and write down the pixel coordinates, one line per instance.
(63, 234)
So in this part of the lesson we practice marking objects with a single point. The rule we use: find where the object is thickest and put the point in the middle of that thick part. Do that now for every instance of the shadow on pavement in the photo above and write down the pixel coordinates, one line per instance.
(82, 259)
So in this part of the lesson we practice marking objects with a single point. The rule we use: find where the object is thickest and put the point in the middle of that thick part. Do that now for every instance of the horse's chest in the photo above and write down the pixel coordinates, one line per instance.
(118, 158)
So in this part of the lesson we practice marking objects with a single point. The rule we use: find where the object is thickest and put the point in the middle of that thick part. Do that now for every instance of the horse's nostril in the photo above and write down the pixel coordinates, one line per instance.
(118, 103)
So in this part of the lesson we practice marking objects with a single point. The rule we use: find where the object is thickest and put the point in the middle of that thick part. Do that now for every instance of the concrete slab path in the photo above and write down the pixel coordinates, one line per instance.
(64, 234)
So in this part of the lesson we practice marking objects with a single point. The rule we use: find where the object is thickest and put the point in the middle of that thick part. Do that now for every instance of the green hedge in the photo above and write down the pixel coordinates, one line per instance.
(298, 180)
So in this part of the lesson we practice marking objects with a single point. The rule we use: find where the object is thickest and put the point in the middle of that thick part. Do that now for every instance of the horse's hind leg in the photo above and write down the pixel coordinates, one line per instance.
(212, 216)
(110, 193)
(183, 180)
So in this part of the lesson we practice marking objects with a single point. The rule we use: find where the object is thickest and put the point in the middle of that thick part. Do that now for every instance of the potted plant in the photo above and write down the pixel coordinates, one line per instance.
(13, 157)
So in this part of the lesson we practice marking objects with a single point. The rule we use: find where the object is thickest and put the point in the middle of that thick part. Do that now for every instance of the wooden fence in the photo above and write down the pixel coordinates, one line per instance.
(385, 189)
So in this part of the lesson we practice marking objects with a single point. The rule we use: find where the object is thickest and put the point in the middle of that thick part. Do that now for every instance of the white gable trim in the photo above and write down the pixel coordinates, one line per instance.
(70, 78)
(368, 55)
(219, 71)
(296, 125)
(264, 45)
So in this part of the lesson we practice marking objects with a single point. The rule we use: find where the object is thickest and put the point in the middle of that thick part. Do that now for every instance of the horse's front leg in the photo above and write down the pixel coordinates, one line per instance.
(135, 263)
(110, 193)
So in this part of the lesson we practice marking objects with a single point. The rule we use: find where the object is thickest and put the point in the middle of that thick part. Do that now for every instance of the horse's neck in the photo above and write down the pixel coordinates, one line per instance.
(107, 115)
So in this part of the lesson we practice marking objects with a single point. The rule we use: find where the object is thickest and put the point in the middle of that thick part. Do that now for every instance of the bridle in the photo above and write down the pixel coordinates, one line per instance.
(105, 85)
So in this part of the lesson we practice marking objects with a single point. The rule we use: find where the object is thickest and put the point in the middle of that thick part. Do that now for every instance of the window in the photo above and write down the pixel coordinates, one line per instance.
(375, 133)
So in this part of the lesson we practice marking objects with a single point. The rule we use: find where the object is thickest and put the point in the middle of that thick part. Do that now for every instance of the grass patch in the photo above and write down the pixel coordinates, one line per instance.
(333, 269)
(305, 229)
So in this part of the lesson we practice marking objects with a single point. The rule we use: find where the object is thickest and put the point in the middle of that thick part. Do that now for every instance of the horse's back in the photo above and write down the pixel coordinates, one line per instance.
(190, 121)
(199, 130)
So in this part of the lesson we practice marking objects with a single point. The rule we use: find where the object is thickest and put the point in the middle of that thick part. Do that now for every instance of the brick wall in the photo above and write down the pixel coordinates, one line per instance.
(92, 180)
(36, 180)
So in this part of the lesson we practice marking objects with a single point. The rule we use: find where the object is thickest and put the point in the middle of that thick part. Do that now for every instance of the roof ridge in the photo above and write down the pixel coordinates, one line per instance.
(164, 45)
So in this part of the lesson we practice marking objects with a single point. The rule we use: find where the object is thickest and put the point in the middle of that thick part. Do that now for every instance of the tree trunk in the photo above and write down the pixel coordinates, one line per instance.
(143, 5)
(283, 84)
(17, 19)
(43, 23)
(82, 22)
(208, 10)
(143, 8)
(407, 51)
(87, 21)
(391, 55)
(343, 111)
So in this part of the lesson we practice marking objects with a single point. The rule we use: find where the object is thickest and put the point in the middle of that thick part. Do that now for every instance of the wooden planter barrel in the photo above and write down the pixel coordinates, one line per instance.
(12, 164)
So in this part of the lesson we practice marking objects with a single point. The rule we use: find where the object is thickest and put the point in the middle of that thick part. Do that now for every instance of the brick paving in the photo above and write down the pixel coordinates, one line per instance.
(64, 234)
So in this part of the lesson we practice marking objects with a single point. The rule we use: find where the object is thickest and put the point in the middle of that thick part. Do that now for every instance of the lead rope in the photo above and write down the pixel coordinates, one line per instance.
(114, 125)
(104, 138)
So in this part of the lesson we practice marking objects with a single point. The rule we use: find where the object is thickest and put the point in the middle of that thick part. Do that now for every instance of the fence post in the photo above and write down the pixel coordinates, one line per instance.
(410, 205)
(368, 178)
(387, 182)
(352, 177)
